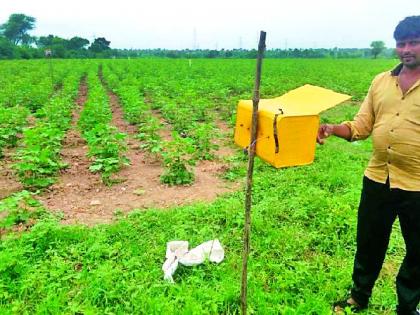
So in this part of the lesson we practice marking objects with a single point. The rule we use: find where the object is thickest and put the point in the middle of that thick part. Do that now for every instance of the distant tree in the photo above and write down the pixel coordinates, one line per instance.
(6, 48)
(377, 47)
(17, 27)
(171, 54)
(99, 45)
(212, 54)
(45, 41)
(57, 44)
(27, 52)
(77, 43)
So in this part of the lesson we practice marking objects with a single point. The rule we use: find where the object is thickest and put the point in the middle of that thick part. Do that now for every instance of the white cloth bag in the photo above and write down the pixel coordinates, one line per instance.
(177, 253)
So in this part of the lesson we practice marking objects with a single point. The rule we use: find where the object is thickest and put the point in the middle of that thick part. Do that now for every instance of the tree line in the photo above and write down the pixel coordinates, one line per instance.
(17, 43)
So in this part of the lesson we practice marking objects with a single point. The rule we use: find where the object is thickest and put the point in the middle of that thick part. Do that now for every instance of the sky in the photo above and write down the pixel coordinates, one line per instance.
(217, 24)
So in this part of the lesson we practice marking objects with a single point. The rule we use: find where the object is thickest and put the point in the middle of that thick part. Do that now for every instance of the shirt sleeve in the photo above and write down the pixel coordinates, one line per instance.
(362, 124)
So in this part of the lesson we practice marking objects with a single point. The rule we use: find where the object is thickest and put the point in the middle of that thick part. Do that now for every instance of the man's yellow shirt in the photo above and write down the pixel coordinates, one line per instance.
(393, 120)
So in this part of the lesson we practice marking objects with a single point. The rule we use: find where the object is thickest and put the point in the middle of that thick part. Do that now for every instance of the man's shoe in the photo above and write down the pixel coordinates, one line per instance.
(340, 307)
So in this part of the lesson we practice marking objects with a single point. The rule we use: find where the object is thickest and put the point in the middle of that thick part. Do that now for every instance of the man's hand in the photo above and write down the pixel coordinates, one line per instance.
(324, 132)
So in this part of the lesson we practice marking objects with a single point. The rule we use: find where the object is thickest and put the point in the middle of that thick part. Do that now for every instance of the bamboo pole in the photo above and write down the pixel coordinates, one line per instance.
(247, 226)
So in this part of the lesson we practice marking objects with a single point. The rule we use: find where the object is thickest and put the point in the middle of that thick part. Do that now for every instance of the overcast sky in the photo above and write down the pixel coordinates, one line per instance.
(217, 24)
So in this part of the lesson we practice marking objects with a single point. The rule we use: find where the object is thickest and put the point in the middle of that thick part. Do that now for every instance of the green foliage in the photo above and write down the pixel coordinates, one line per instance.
(31, 83)
(177, 155)
(106, 145)
(96, 109)
(77, 43)
(7, 49)
(377, 47)
(133, 106)
(16, 28)
(20, 208)
(203, 141)
(39, 159)
(56, 44)
(99, 45)
(12, 121)
(149, 135)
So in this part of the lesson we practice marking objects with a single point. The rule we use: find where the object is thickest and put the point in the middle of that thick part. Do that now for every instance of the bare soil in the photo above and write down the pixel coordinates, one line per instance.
(83, 198)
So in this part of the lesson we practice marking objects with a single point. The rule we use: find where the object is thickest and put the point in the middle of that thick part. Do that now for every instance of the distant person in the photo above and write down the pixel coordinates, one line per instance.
(391, 183)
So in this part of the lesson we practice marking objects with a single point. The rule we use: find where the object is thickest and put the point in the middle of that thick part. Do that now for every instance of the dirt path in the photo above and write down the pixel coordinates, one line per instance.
(82, 197)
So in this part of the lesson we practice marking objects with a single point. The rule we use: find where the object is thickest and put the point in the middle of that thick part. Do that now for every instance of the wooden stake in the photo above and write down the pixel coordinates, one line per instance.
(247, 226)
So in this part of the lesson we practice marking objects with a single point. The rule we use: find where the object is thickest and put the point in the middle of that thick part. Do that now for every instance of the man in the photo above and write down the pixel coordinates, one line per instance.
(391, 185)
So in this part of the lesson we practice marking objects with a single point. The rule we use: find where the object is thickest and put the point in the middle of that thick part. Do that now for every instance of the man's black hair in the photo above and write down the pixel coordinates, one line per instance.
(408, 28)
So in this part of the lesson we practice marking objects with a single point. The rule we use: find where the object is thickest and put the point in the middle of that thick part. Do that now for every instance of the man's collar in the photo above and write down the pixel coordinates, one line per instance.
(396, 71)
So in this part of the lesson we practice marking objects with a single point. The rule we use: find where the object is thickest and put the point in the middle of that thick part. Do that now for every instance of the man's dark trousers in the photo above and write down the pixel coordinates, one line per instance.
(378, 209)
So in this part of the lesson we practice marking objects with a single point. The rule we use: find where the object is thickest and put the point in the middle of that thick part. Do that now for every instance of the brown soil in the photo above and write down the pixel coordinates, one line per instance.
(9, 184)
(82, 197)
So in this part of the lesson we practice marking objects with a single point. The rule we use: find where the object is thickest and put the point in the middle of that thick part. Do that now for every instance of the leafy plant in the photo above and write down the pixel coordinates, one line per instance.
(203, 141)
(149, 135)
(39, 159)
(12, 121)
(177, 156)
(106, 145)
(132, 104)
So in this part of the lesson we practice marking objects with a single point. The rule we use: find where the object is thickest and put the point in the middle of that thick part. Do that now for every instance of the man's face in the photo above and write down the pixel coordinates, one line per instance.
(409, 52)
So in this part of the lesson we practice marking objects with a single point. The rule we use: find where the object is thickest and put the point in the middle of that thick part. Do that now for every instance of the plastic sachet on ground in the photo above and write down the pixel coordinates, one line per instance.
(177, 253)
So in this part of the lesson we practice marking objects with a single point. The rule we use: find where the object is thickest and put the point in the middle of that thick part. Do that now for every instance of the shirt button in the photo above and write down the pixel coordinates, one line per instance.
(389, 162)
(392, 130)
(389, 147)
(398, 114)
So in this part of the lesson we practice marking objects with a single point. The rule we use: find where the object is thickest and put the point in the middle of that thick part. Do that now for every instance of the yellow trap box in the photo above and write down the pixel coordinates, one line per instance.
(287, 125)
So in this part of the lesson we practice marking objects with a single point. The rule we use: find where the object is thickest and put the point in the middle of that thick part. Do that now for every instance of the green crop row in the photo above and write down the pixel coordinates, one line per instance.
(106, 143)
(143, 90)
(128, 87)
(39, 160)
(26, 87)
(128, 91)
(12, 122)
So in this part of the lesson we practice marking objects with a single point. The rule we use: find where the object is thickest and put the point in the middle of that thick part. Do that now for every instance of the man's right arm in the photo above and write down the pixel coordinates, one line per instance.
(326, 130)
(358, 129)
